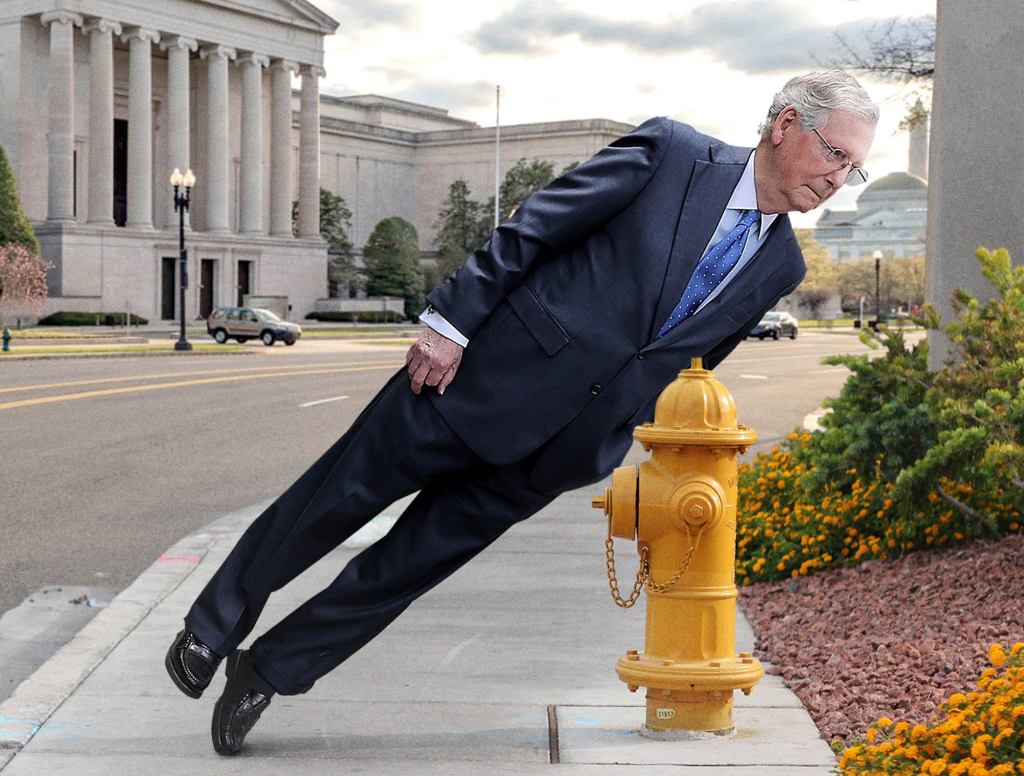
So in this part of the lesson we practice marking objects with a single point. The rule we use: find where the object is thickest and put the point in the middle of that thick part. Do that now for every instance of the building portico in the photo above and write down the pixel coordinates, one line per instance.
(110, 97)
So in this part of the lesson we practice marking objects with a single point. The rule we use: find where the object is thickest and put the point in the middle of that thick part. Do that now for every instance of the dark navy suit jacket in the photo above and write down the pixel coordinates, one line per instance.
(562, 305)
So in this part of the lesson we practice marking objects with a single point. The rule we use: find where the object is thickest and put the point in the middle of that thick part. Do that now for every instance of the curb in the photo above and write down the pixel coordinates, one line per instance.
(39, 696)
(811, 420)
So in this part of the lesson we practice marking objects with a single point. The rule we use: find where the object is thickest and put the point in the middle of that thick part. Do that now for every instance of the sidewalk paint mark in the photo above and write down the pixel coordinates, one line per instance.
(322, 401)
(181, 558)
(13, 731)
(755, 377)
(181, 384)
(454, 651)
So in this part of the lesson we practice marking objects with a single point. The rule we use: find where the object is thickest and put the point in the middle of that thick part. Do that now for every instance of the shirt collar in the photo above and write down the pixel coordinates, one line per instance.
(744, 197)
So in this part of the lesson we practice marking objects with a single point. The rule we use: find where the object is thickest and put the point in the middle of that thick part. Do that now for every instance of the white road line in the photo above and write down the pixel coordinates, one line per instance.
(755, 377)
(831, 371)
(322, 401)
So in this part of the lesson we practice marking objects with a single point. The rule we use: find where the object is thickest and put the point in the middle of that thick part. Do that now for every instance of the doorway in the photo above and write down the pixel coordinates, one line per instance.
(206, 287)
(244, 281)
(120, 172)
(167, 288)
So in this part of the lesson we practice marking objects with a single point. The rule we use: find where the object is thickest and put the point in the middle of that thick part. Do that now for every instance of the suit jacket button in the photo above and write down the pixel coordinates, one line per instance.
(595, 389)
(641, 356)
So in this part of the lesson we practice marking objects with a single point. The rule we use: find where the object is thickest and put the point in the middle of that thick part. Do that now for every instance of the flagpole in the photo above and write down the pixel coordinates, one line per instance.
(497, 153)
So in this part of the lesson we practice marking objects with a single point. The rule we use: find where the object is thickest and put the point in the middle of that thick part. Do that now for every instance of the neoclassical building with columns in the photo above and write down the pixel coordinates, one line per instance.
(101, 100)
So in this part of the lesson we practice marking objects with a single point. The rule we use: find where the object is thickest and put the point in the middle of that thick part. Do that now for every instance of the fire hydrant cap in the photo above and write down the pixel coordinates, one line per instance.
(695, 409)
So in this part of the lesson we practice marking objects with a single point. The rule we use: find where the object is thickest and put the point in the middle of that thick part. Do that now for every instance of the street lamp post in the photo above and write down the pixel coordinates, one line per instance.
(181, 200)
(878, 298)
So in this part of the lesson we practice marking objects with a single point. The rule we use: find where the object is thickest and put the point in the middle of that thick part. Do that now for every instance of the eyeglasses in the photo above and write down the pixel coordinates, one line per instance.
(857, 175)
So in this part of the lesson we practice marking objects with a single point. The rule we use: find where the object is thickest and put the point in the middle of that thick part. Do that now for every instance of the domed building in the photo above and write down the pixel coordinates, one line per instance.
(890, 217)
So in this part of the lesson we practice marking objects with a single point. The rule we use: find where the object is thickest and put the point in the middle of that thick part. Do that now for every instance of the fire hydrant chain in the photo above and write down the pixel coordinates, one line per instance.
(664, 587)
(613, 583)
(643, 574)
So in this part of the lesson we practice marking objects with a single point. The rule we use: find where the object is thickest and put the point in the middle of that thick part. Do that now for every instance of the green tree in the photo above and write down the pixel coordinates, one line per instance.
(822, 279)
(392, 257)
(335, 226)
(14, 226)
(523, 179)
(901, 281)
(461, 228)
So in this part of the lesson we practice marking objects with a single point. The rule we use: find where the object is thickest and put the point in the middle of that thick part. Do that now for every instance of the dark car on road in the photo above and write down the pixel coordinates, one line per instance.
(775, 325)
(245, 323)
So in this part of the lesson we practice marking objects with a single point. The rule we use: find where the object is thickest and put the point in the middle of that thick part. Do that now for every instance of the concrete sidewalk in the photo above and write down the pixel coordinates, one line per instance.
(505, 668)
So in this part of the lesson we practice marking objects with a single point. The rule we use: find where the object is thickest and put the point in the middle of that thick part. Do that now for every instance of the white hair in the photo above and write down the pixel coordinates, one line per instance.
(816, 95)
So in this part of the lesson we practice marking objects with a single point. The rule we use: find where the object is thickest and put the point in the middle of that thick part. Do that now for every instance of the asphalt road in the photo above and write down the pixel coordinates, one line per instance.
(107, 462)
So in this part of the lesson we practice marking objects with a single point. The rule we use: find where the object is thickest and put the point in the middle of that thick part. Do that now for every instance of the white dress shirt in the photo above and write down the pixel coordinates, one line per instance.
(744, 197)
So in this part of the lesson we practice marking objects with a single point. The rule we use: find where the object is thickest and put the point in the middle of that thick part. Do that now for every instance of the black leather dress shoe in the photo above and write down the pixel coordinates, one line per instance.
(245, 696)
(191, 664)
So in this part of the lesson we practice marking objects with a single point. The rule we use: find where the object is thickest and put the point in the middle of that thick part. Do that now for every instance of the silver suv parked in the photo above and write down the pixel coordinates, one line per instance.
(245, 323)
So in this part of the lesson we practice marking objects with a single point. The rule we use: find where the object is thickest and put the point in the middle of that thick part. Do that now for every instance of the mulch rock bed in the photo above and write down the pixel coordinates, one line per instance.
(889, 638)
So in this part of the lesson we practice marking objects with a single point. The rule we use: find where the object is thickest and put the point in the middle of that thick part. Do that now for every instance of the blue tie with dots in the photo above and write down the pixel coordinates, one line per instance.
(716, 264)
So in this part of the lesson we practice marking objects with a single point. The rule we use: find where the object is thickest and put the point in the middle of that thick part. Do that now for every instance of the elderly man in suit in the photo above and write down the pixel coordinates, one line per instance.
(545, 350)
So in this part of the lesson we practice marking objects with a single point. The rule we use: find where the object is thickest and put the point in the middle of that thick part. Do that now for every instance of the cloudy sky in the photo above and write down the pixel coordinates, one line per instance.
(714, 64)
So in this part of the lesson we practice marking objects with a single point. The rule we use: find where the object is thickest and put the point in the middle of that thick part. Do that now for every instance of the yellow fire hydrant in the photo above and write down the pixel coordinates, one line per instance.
(680, 506)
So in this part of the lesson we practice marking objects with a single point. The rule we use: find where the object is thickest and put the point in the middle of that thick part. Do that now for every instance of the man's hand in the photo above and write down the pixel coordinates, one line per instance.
(433, 360)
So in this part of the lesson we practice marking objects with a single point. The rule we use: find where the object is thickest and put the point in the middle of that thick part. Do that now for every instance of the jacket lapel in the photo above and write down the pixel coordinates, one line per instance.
(711, 186)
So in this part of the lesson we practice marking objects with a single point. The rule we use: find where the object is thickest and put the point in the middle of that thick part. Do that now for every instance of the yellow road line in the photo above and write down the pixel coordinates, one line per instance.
(180, 384)
(158, 375)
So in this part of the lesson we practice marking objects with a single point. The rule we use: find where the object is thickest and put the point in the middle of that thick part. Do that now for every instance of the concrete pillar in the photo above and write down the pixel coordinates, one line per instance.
(250, 217)
(140, 127)
(281, 147)
(60, 204)
(178, 91)
(309, 153)
(217, 159)
(101, 120)
(977, 111)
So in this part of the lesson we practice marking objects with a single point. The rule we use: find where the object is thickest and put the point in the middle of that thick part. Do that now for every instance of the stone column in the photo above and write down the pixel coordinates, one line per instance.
(217, 160)
(281, 147)
(178, 90)
(977, 111)
(140, 127)
(60, 205)
(250, 217)
(101, 120)
(309, 153)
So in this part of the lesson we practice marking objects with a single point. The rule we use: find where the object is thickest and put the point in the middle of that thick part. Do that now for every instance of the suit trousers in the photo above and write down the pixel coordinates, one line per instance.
(398, 445)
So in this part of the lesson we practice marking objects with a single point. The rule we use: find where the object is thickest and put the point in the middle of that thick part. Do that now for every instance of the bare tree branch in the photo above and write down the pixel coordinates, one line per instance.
(896, 49)
(970, 513)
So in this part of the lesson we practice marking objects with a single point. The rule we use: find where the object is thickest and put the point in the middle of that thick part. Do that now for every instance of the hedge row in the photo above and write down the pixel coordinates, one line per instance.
(90, 319)
(367, 316)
